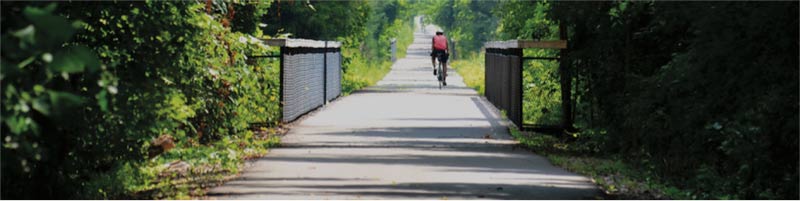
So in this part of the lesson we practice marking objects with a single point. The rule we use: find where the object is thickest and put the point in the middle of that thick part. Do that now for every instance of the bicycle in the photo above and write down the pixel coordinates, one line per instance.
(440, 74)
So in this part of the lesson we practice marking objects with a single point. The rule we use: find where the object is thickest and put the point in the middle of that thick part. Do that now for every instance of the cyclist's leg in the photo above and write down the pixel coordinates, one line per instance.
(444, 71)
(444, 68)
(443, 61)
(443, 58)
(433, 63)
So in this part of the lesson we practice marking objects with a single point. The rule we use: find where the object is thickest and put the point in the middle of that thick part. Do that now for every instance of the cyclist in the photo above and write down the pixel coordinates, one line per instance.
(440, 50)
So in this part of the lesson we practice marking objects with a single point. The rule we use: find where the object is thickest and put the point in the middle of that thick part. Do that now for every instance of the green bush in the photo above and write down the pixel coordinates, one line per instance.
(473, 72)
(364, 53)
(89, 86)
(469, 23)
(51, 86)
(541, 96)
(702, 92)
(542, 88)
(79, 115)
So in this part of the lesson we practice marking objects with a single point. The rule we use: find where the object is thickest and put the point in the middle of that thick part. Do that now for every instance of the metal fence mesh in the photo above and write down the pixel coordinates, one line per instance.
(333, 75)
(302, 84)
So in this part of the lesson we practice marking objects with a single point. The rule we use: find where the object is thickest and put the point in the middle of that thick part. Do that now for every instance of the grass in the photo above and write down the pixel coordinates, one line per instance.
(405, 38)
(184, 172)
(542, 96)
(617, 178)
(472, 71)
(362, 73)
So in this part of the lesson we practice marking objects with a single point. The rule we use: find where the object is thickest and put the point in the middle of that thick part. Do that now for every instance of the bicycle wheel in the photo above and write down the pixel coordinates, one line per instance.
(441, 74)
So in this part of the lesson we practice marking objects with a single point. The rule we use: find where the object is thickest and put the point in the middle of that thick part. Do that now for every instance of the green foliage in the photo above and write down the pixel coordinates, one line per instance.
(364, 52)
(319, 20)
(247, 16)
(388, 20)
(79, 115)
(700, 94)
(362, 73)
(469, 23)
(86, 95)
(542, 91)
(525, 20)
(617, 178)
(472, 70)
(367, 61)
(50, 86)
(698, 91)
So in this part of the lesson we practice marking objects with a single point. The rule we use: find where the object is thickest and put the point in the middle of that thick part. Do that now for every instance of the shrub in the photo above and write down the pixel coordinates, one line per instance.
(75, 112)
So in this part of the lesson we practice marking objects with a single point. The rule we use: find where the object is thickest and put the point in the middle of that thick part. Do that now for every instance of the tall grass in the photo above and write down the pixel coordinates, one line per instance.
(360, 72)
(472, 70)
(404, 39)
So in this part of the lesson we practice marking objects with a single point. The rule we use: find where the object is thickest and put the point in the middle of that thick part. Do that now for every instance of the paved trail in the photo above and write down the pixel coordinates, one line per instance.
(405, 139)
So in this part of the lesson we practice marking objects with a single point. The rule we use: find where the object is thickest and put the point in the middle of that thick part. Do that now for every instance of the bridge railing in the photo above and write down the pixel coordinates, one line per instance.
(504, 83)
(310, 75)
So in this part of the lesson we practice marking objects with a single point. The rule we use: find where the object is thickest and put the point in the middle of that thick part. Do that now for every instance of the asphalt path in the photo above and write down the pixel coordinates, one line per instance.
(405, 139)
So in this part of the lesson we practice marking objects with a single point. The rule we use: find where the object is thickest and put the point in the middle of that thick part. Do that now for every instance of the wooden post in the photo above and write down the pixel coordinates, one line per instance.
(566, 82)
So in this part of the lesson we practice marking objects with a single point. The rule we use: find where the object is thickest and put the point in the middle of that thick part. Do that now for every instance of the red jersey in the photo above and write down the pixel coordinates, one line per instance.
(439, 42)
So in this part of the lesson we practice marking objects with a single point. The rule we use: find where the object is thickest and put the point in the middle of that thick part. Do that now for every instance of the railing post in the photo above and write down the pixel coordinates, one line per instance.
(487, 76)
(325, 74)
(566, 83)
(303, 85)
(516, 69)
(333, 71)
(504, 67)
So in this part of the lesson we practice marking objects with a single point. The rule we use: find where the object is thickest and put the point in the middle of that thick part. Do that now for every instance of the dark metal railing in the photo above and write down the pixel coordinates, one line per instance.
(503, 73)
(333, 74)
(310, 75)
(503, 80)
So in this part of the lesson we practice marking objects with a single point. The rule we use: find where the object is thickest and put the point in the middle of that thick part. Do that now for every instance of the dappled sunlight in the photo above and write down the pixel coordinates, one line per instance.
(342, 99)
(411, 172)
(405, 138)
